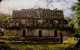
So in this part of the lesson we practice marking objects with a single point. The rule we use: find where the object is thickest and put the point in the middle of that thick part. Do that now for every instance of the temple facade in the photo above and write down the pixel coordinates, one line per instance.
(37, 22)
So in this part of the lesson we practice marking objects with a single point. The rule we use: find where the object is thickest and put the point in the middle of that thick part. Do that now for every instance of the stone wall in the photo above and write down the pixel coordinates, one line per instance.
(65, 33)
(32, 32)
(35, 32)
(38, 13)
(14, 32)
(47, 32)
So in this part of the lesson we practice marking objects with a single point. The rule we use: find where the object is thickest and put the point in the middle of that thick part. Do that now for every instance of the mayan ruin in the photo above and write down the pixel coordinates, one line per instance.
(37, 22)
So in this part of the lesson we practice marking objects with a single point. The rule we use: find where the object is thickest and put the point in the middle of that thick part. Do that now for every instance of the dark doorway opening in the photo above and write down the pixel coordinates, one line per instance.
(24, 32)
(1, 33)
(55, 33)
(40, 32)
(61, 38)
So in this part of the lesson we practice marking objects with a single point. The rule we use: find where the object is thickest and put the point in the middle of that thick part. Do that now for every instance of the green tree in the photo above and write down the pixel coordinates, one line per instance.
(77, 33)
(70, 24)
(4, 18)
(74, 20)
(67, 18)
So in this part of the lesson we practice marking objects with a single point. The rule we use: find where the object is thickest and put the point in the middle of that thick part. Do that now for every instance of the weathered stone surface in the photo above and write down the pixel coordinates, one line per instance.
(35, 32)
(37, 22)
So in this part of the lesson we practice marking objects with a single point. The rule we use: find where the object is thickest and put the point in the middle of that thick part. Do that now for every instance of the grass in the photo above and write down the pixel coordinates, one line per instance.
(40, 47)
(68, 44)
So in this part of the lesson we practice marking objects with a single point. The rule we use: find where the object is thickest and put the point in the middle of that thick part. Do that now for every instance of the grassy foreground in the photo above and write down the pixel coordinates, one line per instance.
(68, 44)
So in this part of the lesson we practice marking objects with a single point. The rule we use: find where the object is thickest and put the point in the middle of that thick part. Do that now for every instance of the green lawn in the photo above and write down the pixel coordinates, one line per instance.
(68, 44)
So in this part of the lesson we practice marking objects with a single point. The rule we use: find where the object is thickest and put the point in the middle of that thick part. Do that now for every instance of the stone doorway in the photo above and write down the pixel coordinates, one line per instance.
(55, 33)
(24, 33)
(61, 38)
(40, 33)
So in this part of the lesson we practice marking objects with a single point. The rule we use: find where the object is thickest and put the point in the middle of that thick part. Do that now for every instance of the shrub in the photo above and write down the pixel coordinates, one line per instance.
(5, 46)
(77, 33)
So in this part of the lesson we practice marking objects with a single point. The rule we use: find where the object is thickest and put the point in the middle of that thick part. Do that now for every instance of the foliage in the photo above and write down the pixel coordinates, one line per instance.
(4, 16)
(77, 33)
(74, 21)
(47, 18)
(70, 23)
(4, 46)
(67, 18)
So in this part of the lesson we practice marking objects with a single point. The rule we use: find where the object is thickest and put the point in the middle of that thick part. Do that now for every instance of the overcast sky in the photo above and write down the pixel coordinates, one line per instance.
(6, 6)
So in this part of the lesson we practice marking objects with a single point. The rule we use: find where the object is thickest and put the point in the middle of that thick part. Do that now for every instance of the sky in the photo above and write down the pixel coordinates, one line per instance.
(7, 6)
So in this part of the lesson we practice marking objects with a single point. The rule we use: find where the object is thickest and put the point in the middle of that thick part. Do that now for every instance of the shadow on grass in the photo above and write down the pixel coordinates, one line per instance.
(6, 46)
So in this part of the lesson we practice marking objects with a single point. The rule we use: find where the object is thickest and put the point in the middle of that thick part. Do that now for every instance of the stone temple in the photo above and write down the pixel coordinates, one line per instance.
(37, 23)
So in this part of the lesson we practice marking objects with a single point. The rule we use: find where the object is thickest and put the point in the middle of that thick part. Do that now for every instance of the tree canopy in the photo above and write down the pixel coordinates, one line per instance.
(75, 19)
(4, 16)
